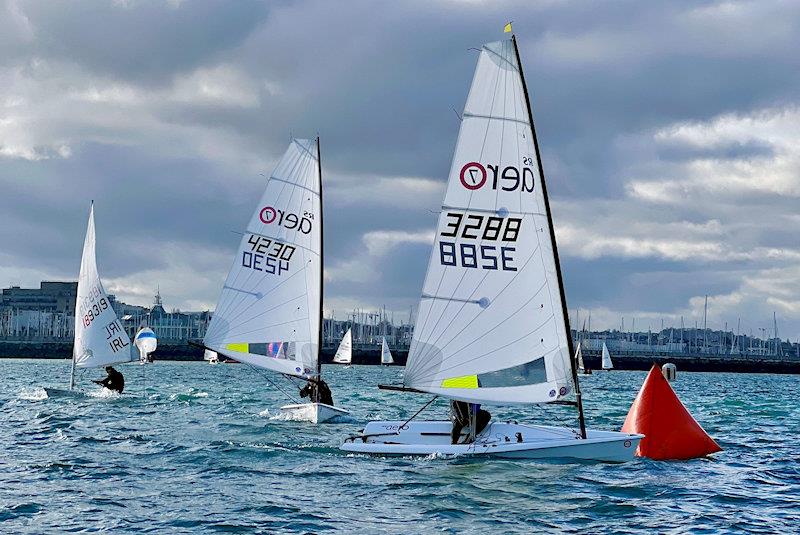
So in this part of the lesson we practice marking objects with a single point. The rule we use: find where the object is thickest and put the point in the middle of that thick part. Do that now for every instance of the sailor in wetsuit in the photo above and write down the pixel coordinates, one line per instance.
(113, 381)
(317, 391)
(460, 413)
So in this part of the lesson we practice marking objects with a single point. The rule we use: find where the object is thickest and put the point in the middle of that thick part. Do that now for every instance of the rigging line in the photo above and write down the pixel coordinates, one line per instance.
(509, 316)
(521, 269)
(560, 420)
(543, 355)
(304, 149)
(295, 184)
(464, 303)
(399, 428)
(487, 211)
(264, 374)
(503, 58)
(433, 257)
(232, 304)
(241, 310)
(494, 118)
(270, 326)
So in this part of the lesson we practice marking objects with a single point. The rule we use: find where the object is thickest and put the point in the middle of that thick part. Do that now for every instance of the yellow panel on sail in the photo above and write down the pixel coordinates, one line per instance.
(239, 348)
(465, 381)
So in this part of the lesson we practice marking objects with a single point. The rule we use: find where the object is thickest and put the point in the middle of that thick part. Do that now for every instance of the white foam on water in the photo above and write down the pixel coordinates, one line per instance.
(103, 393)
(36, 393)
(293, 416)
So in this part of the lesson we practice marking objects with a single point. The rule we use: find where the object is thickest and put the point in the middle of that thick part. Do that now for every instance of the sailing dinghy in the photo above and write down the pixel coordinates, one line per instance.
(210, 356)
(386, 353)
(344, 353)
(100, 339)
(492, 326)
(270, 309)
(579, 358)
(607, 364)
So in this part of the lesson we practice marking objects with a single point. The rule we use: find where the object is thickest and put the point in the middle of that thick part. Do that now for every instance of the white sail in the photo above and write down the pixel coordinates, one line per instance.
(607, 364)
(490, 326)
(579, 359)
(100, 339)
(344, 354)
(210, 356)
(386, 353)
(269, 312)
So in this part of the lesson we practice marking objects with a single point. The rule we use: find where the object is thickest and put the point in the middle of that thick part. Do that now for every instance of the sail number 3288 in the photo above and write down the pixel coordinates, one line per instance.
(485, 229)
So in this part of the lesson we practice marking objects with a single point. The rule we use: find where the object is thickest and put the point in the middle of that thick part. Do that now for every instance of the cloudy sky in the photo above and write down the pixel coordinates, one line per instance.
(670, 134)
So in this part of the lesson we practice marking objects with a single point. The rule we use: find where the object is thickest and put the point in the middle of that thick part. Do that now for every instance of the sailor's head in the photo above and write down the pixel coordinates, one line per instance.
(109, 368)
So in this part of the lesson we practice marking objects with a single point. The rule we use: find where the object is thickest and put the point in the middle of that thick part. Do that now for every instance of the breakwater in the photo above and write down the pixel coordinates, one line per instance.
(633, 361)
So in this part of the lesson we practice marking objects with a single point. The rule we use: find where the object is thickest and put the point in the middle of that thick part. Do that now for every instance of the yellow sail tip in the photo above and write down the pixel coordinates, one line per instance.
(239, 348)
(507, 28)
(465, 381)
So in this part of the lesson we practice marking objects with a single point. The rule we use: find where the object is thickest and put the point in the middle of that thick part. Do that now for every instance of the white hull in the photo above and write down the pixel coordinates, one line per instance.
(499, 439)
(316, 413)
(62, 393)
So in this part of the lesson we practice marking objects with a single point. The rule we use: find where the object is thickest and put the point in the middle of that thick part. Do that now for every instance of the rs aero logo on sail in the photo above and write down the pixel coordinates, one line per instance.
(475, 175)
(289, 220)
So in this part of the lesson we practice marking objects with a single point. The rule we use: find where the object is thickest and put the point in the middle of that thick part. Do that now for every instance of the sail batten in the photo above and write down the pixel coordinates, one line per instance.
(100, 339)
(490, 327)
(268, 313)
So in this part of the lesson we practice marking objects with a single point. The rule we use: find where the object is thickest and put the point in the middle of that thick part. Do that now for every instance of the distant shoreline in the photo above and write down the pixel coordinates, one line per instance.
(185, 353)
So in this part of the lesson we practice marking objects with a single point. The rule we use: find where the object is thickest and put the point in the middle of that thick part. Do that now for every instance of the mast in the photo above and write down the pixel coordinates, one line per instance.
(564, 311)
(321, 264)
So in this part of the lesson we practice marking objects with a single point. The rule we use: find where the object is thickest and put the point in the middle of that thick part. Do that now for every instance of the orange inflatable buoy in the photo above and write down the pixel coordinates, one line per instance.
(671, 433)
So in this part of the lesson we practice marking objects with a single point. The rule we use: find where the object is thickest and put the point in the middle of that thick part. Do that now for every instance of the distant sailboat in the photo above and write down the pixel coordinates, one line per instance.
(210, 356)
(344, 354)
(492, 326)
(386, 354)
(269, 313)
(146, 342)
(100, 339)
(607, 364)
(579, 358)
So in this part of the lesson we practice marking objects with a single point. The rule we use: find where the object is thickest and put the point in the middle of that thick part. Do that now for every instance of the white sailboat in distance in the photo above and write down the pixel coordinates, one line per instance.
(270, 310)
(492, 326)
(386, 353)
(607, 364)
(210, 356)
(100, 339)
(579, 360)
(344, 353)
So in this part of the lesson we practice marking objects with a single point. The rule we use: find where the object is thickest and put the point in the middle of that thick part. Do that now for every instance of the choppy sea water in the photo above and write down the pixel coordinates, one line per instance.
(195, 448)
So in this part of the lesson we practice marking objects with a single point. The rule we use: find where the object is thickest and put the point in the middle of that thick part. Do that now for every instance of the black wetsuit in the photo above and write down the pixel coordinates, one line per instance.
(318, 392)
(114, 381)
(461, 413)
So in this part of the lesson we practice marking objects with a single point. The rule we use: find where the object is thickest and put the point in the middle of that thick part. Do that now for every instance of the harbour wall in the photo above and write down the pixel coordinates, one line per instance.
(692, 362)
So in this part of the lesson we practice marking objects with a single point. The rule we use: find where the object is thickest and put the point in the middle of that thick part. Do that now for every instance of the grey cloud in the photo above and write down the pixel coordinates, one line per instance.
(378, 81)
